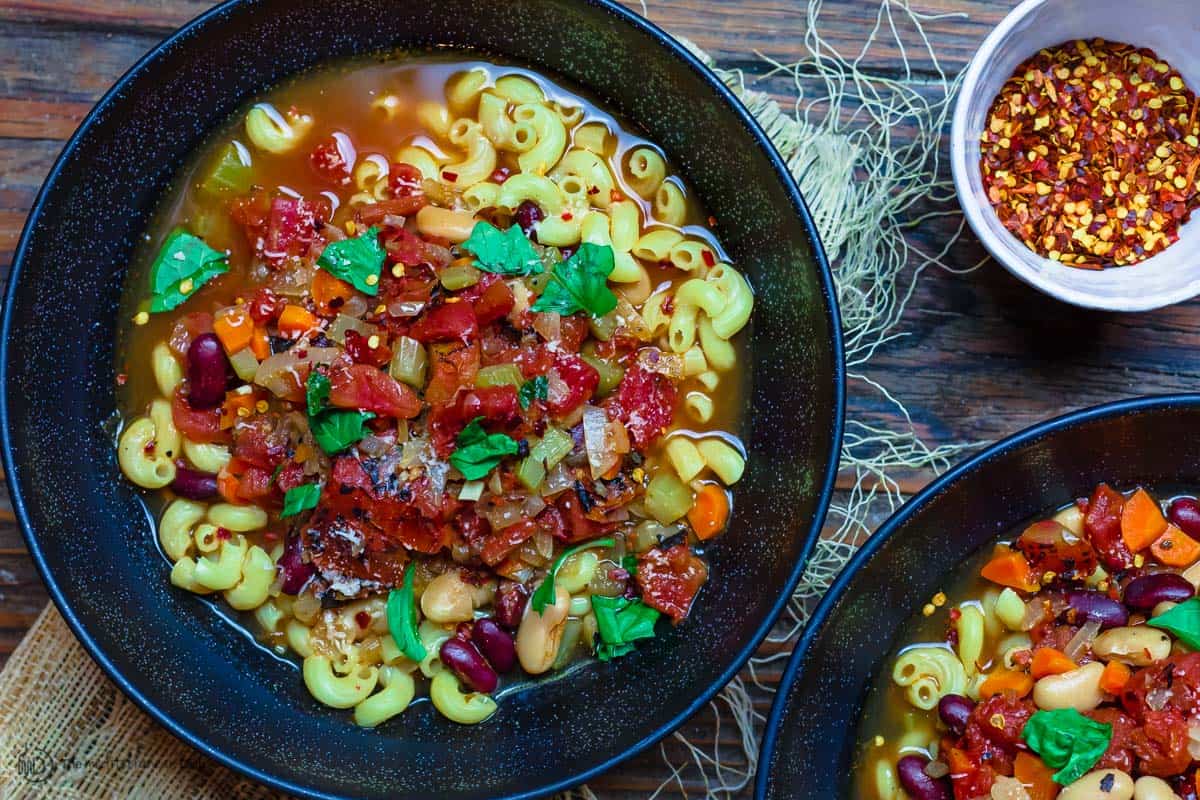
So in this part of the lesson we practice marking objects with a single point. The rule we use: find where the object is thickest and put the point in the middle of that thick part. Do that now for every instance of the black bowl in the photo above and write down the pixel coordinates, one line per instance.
(88, 531)
(809, 747)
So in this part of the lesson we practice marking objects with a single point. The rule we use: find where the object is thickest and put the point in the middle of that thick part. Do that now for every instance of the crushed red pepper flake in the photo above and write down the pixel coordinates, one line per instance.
(1090, 154)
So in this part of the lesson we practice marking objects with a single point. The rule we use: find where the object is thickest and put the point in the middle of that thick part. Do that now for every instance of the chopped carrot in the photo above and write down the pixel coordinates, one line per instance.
(296, 321)
(1114, 677)
(329, 292)
(1035, 776)
(1003, 680)
(1142, 521)
(710, 513)
(234, 329)
(1175, 548)
(1048, 661)
(227, 486)
(260, 345)
(1009, 568)
(231, 409)
(958, 761)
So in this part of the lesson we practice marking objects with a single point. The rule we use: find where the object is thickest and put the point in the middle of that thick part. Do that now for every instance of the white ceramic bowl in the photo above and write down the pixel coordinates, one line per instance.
(1171, 28)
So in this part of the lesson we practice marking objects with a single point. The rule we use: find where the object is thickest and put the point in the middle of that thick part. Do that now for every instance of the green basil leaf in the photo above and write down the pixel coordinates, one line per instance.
(402, 618)
(503, 252)
(544, 594)
(629, 564)
(581, 283)
(620, 623)
(1183, 620)
(183, 257)
(1067, 741)
(357, 261)
(275, 473)
(479, 452)
(533, 389)
(316, 393)
(336, 431)
(301, 498)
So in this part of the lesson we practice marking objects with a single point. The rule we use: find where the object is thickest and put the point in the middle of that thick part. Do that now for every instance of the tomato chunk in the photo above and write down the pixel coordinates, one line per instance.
(366, 388)
(446, 323)
(1102, 523)
(201, 425)
(645, 402)
(669, 579)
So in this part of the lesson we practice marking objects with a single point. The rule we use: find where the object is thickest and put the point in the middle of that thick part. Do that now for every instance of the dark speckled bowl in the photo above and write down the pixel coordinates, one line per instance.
(205, 680)
(809, 748)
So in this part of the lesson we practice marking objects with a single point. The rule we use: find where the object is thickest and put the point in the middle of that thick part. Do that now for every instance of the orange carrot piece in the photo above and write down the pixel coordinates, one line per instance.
(1114, 677)
(1142, 521)
(227, 486)
(710, 513)
(234, 402)
(1175, 548)
(260, 345)
(1035, 776)
(326, 289)
(296, 321)
(1003, 680)
(1048, 661)
(1009, 568)
(234, 329)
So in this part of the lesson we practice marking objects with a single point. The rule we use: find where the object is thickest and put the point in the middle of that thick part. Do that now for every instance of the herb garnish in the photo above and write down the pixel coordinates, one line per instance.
(581, 283)
(479, 452)
(620, 622)
(357, 261)
(505, 252)
(533, 389)
(544, 594)
(183, 265)
(300, 498)
(402, 618)
(333, 430)
(1067, 741)
(1183, 620)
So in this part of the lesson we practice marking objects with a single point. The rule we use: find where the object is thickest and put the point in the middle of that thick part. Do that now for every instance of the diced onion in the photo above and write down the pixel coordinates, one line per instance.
(503, 515)
(244, 364)
(1157, 698)
(652, 359)
(1194, 741)
(405, 308)
(557, 480)
(533, 506)
(1082, 640)
(344, 322)
(549, 325)
(282, 373)
(597, 440)
(556, 388)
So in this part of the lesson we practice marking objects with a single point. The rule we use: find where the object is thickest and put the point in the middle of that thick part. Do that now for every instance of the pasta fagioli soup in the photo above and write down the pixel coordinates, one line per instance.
(1061, 663)
(430, 370)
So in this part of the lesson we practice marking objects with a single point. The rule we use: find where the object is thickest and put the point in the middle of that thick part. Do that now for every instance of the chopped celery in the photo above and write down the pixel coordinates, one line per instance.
(610, 374)
(537, 283)
(230, 172)
(343, 323)
(471, 490)
(604, 327)
(409, 362)
(667, 498)
(531, 472)
(499, 375)
(553, 448)
(459, 277)
(244, 364)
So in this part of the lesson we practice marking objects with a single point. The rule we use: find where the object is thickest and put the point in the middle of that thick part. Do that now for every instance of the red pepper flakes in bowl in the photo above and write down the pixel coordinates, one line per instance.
(1090, 154)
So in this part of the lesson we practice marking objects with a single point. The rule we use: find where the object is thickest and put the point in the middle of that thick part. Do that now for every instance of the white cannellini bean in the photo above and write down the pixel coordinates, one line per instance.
(1139, 646)
(1078, 689)
(1103, 784)
(540, 635)
(448, 598)
(1150, 788)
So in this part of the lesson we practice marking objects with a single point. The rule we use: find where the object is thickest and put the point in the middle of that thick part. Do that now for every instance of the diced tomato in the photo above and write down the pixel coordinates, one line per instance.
(265, 306)
(405, 247)
(1175, 682)
(199, 425)
(1050, 547)
(366, 388)
(970, 776)
(581, 379)
(498, 405)
(578, 526)
(982, 727)
(405, 180)
(452, 365)
(1102, 523)
(669, 579)
(490, 298)
(329, 163)
(1161, 744)
(187, 328)
(254, 485)
(291, 476)
(359, 349)
(415, 285)
(472, 528)
(1119, 754)
(500, 543)
(535, 361)
(645, 402)
(572, 331)
(349, 472)
(446, 323)
(257, 444)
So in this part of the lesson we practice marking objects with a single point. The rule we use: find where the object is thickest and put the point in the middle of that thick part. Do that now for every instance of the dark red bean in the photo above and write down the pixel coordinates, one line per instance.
(469, 665)
(914, 780)
(206, 368)
(955, 710)
(1098, 606)
(1145, 592)
(496, 644)
(510, 605)
(1185, 513)
(293, 567)
(194, 484)
(527, 215)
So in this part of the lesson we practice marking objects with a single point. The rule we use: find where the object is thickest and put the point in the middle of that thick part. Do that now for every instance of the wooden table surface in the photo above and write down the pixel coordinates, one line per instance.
(984, 356)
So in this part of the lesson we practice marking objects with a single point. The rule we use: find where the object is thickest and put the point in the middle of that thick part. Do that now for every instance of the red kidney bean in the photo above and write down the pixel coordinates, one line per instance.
(510, 605)
(194, 484)
(955, 710)
(295, 571)
(495, 643)
(206, 368)
(914, 780)
(1099, 606)
(1185, 513)
(1145, 592)
(527, 215)
(469, 664)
